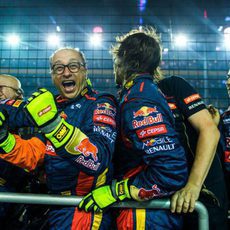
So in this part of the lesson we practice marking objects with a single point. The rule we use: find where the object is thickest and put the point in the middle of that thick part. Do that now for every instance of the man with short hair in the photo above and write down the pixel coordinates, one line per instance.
(78, 130)
(150, 161)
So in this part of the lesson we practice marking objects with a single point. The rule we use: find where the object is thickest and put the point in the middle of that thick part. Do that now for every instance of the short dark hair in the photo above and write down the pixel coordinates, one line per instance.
(138, 51)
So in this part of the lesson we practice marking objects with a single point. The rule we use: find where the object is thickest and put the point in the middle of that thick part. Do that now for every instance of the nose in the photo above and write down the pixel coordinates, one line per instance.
(66, 71)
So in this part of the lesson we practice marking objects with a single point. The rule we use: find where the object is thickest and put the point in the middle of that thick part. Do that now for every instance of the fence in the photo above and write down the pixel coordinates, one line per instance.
(26, 198)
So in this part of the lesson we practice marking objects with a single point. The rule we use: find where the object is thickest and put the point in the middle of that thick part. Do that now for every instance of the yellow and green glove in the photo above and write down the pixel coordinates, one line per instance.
(7, 140)
(105, 196)
(41, 108)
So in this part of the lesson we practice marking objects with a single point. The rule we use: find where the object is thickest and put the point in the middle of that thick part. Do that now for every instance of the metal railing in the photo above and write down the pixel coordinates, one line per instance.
(28, 198)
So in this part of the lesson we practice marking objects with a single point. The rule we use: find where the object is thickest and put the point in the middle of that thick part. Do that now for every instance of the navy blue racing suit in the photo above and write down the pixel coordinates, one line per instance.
(150, 154)
(83, 164)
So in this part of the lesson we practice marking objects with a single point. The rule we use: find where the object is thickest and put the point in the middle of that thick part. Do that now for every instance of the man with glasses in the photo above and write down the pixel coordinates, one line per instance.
(12, 178)
(79, 132)
(10, 87)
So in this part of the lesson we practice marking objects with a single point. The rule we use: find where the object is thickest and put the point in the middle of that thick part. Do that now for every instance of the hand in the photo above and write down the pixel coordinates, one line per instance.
(184, 199)
(7, 140)
(105, 196)
(42, 110)
(3, 129)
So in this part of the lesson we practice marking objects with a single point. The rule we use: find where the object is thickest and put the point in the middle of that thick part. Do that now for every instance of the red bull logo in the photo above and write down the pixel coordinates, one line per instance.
(87, 148)
(106, 106)
(144, 111)
(149, 194)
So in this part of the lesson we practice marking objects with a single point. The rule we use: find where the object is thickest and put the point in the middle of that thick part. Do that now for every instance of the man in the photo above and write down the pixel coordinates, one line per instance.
(199, 136)
(12, 178)
(149, 162)
(79, 132)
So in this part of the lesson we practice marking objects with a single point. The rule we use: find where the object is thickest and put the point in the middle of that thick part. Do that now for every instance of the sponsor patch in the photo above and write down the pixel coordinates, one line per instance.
(159, 148)
(195, 105)
(121, 190)
(144, 111)
(105, 132)
(50, 149)
(105, 112)
(172, 105)
(9, 102)
(157, 141)
(227, 156)
(87, 148)
(87, 163)
(104, 119)
(151, 131)
(106, 106)
(17, 103)
(145, 194)
(61, 133)
(149, 120)
(192, 98)
(44, 111)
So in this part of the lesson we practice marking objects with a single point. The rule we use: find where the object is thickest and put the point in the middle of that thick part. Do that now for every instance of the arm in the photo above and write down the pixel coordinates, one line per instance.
(208, 136)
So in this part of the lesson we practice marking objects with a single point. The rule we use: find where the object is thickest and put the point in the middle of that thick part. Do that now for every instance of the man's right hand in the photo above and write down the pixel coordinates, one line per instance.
(41, 108)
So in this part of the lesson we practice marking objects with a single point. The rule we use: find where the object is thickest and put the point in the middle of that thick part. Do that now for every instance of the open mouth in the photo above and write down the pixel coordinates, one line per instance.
(68, 85)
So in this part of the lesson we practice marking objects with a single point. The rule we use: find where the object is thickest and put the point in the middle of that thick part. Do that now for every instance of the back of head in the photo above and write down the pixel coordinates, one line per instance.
(137, 52)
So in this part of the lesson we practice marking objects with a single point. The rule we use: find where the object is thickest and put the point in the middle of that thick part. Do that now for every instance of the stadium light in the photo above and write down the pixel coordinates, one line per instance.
(95, 38)
(13, 39)
(180, 40)
(227, 37)
(53, 40)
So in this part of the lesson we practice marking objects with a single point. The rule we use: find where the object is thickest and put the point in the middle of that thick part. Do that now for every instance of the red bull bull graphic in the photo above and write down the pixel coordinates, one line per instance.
(87, 148)
(149, 120)
(144, 194)
(144, 111)
(106, 106)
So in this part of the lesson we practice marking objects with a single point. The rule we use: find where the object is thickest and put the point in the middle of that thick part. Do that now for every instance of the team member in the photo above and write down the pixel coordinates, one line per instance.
(149, 162)
(199, 135)
(12, 178)
(79, 129)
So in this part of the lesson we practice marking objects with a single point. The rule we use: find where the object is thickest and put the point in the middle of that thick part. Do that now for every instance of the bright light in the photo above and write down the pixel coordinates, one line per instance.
(58, 28)
(97, 29)
(227, 37)
(96, 39)
(13, 39)
(180, 40)
(53, 40)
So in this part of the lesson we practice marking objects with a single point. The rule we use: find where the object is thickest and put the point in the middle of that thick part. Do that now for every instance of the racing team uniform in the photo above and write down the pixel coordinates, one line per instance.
(184, 101)
(82, 164)
(150, 154)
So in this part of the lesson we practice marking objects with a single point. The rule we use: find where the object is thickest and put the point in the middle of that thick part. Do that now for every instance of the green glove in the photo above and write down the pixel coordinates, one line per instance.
(105, 196)
(42, 110)
(7, 140)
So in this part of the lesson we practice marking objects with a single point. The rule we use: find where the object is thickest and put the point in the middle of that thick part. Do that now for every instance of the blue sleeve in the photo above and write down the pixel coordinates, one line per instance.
(92, 144)
(147, 124)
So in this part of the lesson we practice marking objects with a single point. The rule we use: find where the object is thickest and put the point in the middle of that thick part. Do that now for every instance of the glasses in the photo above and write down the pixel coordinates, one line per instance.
(18, 91)
(73, 67)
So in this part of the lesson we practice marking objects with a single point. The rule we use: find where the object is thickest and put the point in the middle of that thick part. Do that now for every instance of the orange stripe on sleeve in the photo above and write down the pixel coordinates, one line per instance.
(26, 153)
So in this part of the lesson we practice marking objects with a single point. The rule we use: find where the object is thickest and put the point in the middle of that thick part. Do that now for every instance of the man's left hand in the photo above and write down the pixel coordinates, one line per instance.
(184, 199)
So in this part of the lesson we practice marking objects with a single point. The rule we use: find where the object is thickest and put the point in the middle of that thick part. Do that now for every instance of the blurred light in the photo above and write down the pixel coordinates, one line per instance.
(97, 29)
(180, 40)
(205, 13)
(165, 50)
(140, 28)
(227, 19)
(220, 28)
(13, 39)
(58, 28)
(142, 5)
(227, 37)
(96, 39)
(53, 40)
(217, 48)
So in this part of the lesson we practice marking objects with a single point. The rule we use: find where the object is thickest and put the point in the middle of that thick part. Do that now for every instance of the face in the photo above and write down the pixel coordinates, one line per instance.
(73, 79)
(117, 70)
(8, 88)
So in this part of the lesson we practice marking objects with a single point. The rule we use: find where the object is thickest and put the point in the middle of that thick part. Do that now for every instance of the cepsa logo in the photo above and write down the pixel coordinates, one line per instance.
(144, 111)
(87, 148)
